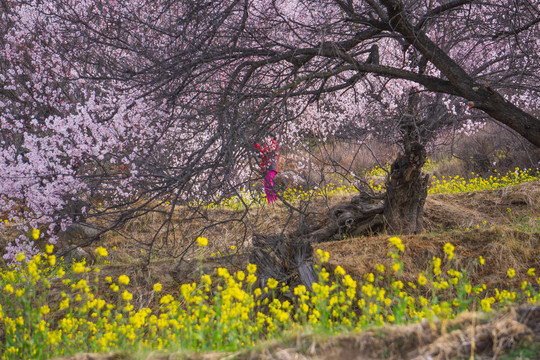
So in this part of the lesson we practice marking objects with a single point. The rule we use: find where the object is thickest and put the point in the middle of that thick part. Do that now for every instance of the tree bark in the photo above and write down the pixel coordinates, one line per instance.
(406, 191)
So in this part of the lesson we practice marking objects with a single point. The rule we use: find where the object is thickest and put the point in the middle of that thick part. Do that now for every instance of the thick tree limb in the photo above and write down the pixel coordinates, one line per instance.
(481, 96)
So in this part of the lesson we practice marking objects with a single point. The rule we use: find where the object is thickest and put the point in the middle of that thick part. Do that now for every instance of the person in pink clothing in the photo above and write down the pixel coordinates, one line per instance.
(268, 155)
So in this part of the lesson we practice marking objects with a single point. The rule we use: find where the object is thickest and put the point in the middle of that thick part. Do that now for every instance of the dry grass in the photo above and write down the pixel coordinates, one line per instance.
(493, 232)
(501, 249)
(484, 208)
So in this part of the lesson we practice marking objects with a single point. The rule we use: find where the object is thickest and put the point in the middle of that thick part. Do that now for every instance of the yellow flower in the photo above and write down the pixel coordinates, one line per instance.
(397, 243)
(339, 271)
(422, 280)
(272, 283)
(224, 273)
(486, 305)
(511, 273)
(530, 272)
(101, 251)
(157, 287)
(323, 255)
(78, 267)
(240, 275)
(52, 260)
(449, 250)
(49, 248)
(380, 268)
(482, 260)
(437, 266)
(251, 279)
(123, 280)
(126, 295)
(45, 309)
(396, 267)
(20, 257)
(8, 288)
(35, 234)
(202, 241)
(167, 299)
(251, 268)
(64, 304)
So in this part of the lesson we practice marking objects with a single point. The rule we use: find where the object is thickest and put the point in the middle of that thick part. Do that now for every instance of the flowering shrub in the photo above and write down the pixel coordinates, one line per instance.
(227, 311)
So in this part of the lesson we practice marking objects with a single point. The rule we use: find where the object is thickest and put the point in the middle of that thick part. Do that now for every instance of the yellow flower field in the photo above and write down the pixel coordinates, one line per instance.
(443, 185)
(227, 311)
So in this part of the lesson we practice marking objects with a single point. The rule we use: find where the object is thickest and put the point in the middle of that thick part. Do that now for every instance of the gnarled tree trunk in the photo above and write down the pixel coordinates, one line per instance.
(406, 191)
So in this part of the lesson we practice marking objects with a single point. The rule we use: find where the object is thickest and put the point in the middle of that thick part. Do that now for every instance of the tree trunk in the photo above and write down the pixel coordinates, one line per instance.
(406, 191)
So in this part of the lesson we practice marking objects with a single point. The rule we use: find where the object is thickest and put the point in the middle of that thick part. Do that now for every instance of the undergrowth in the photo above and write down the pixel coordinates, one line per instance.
(226, 311)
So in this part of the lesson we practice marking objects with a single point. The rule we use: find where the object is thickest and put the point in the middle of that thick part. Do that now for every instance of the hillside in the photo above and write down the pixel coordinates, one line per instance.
(501, 227)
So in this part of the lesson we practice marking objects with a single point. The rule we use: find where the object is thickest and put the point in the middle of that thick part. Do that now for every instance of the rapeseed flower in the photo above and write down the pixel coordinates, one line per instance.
(126, 295)
(123, 280)
(167, 299)
(251, 268)
(339, 271)
(202, 241)
(511, 273)
(272, 283)
(449, 250)
(78, 267)
(101, 251)
(397, 243)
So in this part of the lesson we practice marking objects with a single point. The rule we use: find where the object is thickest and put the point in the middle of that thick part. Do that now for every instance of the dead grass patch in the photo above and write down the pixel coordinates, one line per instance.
(501, 249)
